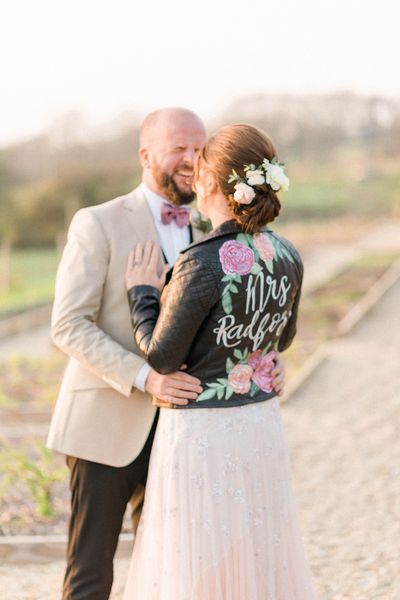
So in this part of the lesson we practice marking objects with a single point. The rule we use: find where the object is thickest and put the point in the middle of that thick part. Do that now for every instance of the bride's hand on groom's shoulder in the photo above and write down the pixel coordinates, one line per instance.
(173, 388)
(142, 267)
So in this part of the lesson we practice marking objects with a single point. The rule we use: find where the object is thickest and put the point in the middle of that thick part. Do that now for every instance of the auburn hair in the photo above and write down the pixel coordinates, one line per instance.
(233, 147)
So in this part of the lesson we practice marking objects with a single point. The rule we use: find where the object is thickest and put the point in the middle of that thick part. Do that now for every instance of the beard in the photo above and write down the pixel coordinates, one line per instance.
(170, 189)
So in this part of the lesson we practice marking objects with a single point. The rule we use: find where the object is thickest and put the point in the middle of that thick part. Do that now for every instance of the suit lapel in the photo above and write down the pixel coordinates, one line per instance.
(139, 214)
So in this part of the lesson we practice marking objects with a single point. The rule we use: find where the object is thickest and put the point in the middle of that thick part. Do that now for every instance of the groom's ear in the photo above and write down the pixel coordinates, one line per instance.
(144, 157)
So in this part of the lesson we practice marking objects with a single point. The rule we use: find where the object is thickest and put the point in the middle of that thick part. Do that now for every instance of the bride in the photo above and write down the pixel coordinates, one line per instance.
(219, 520)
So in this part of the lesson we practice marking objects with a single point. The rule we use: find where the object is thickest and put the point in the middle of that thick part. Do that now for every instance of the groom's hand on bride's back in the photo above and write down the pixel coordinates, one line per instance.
(278, 374)
(181, 388)
(174, 388)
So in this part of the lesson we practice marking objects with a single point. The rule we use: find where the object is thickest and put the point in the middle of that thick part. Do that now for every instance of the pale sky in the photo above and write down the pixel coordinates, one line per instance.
(103, 57)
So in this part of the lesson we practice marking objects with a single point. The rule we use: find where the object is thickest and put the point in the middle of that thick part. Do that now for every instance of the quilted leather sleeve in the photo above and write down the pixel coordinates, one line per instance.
(291, 327)
(164, 335)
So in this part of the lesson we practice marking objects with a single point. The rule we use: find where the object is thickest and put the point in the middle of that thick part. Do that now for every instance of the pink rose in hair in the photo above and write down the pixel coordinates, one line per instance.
(240, 378)
(264, 247)
(236, 258)
(262, 374)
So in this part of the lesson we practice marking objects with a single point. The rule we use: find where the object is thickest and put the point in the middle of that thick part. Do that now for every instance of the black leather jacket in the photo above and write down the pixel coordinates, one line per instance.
(232, 301)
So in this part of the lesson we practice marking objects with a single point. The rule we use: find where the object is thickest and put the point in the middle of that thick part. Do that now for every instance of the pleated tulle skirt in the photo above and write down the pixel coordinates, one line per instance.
(219, 520)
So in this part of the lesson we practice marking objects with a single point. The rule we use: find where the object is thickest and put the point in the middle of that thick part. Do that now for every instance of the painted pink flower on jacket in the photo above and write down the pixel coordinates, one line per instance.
(236, 258)
(262, 373)
(264, 247)
(240, 378)
(254, 359)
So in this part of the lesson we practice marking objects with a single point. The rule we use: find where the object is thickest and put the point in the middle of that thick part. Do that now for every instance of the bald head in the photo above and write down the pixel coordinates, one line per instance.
(165, 120)
(170, 139)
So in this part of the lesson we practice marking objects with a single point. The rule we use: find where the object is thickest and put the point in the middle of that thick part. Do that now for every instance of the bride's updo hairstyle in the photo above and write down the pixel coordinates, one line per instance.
(233, 147)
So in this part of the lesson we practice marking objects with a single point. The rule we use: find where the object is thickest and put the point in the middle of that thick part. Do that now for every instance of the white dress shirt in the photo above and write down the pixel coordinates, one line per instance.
(172, 239)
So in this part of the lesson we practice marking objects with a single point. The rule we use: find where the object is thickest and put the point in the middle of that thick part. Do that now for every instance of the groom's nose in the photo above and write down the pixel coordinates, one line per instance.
(189, 156)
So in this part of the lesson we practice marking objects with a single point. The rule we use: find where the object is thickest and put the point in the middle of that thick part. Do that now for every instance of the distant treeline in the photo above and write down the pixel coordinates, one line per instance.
(44, 180)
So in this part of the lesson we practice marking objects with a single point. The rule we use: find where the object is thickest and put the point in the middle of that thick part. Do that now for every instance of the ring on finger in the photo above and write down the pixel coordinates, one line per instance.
(138, 255)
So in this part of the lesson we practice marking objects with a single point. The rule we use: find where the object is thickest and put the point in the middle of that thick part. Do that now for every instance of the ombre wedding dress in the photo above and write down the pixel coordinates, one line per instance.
(219, 519)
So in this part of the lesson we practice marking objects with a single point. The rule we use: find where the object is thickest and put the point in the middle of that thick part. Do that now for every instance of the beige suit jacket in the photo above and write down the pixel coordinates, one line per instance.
(98, 416)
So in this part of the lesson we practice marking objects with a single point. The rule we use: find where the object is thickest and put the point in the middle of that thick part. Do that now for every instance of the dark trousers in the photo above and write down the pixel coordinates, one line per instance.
(99, 497)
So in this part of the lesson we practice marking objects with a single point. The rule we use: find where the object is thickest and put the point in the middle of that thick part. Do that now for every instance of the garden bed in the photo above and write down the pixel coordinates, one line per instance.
(28, 388)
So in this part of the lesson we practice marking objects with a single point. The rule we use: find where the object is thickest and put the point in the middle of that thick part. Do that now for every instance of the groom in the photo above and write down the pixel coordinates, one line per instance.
(104, 420)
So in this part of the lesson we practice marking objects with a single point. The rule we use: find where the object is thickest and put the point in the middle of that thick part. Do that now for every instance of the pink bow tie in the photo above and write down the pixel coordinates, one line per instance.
(179, 213)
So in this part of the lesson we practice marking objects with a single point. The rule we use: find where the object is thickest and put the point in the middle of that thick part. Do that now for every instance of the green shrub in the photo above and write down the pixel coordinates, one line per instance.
(32, 468)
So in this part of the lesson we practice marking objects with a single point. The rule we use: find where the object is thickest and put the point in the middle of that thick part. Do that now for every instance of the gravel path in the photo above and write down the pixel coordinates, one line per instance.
(343, 429)
(33, 342)
(43, 581)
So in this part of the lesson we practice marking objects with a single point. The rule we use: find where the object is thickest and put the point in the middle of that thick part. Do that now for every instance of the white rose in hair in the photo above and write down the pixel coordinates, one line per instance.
(276, 177)
(244, 194)
(255, 177)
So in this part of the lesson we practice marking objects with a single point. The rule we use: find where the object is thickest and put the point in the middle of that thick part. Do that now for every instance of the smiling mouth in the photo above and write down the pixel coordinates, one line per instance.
(187, 176)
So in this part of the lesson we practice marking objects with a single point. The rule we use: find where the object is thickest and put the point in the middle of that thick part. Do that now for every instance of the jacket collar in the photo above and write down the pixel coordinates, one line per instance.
(226, 228)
